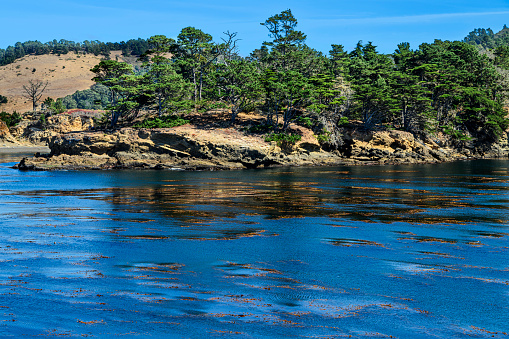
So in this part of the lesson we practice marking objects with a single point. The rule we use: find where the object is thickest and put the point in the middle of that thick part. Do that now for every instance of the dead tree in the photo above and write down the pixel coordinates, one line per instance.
(34, 90)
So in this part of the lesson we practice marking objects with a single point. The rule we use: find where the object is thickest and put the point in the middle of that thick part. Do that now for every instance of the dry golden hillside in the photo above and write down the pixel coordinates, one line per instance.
(65, 74)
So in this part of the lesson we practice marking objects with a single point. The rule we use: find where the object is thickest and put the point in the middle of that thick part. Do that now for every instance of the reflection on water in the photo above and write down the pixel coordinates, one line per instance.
(401, 251)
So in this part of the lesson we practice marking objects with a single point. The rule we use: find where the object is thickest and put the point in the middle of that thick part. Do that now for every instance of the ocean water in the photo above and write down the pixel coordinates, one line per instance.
(409, 251)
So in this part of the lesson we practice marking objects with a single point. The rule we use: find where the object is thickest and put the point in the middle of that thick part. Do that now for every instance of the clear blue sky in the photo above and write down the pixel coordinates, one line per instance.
(384, 22)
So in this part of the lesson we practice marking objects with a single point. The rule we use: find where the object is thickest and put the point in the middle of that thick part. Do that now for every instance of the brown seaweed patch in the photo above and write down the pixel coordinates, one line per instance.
(475, 243)
(245, 270)
(145, 237)
(91, 322)
(440, 254)
(404, 233)
(424, 239)
(228, 332)
(353, 242)
(161, 267)
(231, 235)
(493, 333)
(485, 234)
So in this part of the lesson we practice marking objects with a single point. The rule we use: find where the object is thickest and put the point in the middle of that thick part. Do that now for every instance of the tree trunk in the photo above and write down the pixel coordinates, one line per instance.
(201, 83)
(194, 83)
(160, 112)
(114, 118)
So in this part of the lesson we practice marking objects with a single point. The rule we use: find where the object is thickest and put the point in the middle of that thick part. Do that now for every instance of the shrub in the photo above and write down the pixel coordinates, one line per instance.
(283, 140)
(455, 134)
(10, 119)
(205, 106)
(323, 137)
(304, 121)
(343, 121)
(259, 129)
(167, 121)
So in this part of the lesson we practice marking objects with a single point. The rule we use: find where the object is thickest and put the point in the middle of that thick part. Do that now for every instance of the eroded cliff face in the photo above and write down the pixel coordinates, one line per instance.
(36, 133)
(6, 137)
(190, 149)
(75, 144)
(167, 148)
(396, 147)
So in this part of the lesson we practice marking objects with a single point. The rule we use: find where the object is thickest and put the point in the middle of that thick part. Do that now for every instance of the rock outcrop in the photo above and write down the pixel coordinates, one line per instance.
(396, 147)
(37, 133)
(74, 145)
(5, 135)
(163, 148)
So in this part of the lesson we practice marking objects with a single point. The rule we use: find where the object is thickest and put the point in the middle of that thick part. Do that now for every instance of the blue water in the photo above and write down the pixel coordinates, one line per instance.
(410, 251)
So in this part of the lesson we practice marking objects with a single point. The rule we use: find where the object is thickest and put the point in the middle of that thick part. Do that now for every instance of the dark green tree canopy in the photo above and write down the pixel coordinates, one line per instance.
(446, 87)
(282, 29)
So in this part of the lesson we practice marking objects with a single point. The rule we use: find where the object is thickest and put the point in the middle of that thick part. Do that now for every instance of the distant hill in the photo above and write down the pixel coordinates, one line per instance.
(487, 39)
(133, 47)
(65, 74)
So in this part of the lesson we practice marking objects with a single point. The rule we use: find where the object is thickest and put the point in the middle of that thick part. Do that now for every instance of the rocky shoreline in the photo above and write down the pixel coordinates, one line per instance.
(73, 146)
(178, 150)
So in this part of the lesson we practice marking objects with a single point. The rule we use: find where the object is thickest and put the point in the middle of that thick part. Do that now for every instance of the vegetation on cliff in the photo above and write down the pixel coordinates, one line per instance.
(444, 86)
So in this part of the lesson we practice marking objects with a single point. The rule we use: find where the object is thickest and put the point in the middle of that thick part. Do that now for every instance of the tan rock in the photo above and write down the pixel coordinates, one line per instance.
(5, 134)
(382, 139)
(65, 123)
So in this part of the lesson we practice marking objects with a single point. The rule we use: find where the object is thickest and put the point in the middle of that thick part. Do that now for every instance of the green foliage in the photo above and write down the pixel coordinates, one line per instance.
(10, 119)
(502, 56)
(97, 98)
(163, 88)
(193, 55)
(304, 121)
(458, 135)
(54, 106)
(206, 106)
(20, 49)
(326, 94)
(3, 100)
(487, 39)
(259, 129)
(283, 139)
(167, 121)
(438, 84)
(239, 83)
(127, 95)
(371, 76)
(323, 137)
(343, 121)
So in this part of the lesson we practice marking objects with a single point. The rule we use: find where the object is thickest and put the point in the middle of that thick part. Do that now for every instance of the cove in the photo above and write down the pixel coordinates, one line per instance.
(409, 251)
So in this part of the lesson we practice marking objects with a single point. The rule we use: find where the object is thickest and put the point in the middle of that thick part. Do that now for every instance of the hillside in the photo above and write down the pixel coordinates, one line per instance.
(65, 74)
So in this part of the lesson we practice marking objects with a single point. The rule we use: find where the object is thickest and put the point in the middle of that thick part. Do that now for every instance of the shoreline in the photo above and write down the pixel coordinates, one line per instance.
(189, 148)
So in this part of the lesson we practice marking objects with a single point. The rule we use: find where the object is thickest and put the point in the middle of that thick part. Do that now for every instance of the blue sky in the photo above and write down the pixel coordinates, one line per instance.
(384, 22)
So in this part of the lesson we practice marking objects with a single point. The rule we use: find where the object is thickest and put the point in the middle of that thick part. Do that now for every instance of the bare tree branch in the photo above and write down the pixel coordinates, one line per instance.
(34, 90)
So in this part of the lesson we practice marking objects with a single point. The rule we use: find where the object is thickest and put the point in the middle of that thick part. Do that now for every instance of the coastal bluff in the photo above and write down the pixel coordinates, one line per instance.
(193, 147)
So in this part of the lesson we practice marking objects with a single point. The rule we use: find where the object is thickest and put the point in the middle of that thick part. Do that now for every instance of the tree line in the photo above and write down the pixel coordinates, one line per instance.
(446, 86)
(135, 47)
(488, 39)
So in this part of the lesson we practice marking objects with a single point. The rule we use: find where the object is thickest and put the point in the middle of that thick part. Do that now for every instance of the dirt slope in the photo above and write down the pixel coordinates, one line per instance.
(65, 74)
